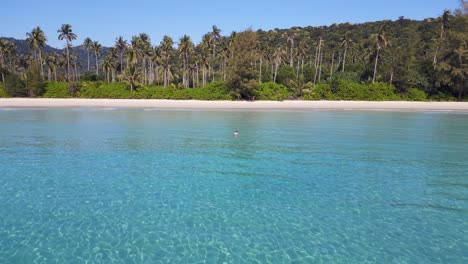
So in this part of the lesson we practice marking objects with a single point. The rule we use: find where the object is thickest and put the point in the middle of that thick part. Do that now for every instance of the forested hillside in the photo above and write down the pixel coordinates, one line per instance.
(426, 58)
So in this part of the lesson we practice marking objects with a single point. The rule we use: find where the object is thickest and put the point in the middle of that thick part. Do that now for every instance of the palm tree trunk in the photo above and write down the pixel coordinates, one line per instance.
(437, 46)
(297, 71)
(97, 63)
(203, 76)
(68, 63)
(320, 68)
(42, 66)
(276, 71)
(198, 75)
(391, 77)
(260, 78)
(333, 60)
(291, 63)
(375, 66)
(88, 57)
(302, 67)
(76, 73)
(344, 58)
(224, 68)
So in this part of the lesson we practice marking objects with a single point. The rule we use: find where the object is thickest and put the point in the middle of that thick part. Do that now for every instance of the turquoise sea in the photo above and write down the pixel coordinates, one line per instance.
(175, 186)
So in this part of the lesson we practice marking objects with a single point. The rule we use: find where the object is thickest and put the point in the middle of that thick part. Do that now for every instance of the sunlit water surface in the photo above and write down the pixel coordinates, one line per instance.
(151, 186)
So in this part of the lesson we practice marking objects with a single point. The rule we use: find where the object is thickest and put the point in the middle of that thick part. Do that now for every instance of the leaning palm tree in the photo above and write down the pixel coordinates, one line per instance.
(381, 43)
(67, 34)
(346, 43)
(279, 55)
(96, 47)
(37, 40)
(88, 43)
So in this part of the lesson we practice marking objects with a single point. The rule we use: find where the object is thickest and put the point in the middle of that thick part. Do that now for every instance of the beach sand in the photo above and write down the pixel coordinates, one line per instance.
(195, 104)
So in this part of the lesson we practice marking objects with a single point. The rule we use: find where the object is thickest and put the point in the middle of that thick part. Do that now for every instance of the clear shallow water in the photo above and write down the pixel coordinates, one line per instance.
(136, 186)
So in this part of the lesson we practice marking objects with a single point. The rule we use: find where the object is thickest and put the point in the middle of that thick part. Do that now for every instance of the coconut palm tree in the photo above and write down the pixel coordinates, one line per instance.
(444, 23)
(88, 43)
(67, 34)
(96, 47)
(318, 60)
(279, 55)
(37, 41)
(380, 43)
(290, 38)
(166, 57)
(144, 45)
(121, 44)
(107, 66)
(346, 43)
(4, 51)
(185, 47)
(215, 36)
(131, 75)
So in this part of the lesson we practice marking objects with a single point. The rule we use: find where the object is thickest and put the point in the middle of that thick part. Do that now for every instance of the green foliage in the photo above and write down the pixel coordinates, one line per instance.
(57, 90)
(242, 80)
(3, 93)
(104, 90)
(213, 91)
(414, 94)
(273, 91)
(344, 90)
(89, 76)
(15, 86)
(285, 75)
(443, 97)
(34, 82)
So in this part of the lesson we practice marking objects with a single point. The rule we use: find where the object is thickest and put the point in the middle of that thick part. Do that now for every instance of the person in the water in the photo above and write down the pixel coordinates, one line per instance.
(236, 133)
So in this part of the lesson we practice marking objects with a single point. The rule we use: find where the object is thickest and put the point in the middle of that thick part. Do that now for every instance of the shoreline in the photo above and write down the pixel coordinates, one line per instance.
(246, 105)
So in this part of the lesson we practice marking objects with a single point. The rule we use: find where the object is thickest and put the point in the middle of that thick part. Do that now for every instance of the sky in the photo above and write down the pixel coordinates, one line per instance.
(104, 21)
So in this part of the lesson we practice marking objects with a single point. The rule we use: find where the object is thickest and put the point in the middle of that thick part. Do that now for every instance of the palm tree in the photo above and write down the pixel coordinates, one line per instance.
(346, 43)
(67, 34)
(290, 38)
(144, 45)
(279, 56)
(185, 46)
(107, 66)
(88, 43)
(131, 75)
(444, 22)
(120, 44)
(215, 36)
(166, 57)
(37, 40)
(96, 47)
(318, 60)
(51, 62)
(112, 55)
(4, 50)
(381, 43)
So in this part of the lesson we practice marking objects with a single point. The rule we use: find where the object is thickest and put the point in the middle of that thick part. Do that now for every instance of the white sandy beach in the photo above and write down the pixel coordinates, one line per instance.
(195, 104)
